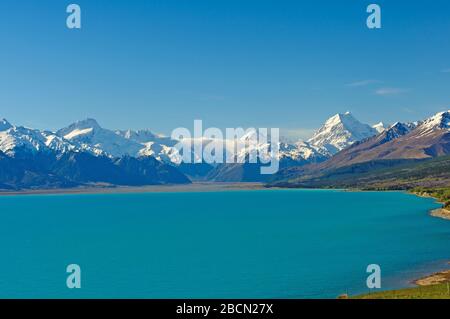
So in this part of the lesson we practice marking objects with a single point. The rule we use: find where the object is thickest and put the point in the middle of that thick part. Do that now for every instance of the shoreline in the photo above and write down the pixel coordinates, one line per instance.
(431, 280)
(441, 213)
(440, 276)
(443, 276)
(436, 278)
(434, 286)
(174, 188)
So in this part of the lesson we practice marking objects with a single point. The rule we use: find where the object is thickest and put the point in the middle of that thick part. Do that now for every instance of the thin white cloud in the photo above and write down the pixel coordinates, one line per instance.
(294, 135)
(390, 91)
(363, 83)
(445, 71)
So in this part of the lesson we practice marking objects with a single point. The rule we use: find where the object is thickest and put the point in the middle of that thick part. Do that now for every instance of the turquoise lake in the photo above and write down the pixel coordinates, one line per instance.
(231, 244)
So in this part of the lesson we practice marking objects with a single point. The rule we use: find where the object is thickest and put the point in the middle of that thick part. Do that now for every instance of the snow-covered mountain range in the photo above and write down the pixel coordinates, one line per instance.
(87, 135)
(338, 133)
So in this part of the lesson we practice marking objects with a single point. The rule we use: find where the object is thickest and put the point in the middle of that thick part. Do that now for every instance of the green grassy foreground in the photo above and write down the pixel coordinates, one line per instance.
(440, 291)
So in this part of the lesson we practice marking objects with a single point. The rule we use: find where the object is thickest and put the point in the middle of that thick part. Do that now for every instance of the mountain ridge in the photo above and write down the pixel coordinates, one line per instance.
(401, 141)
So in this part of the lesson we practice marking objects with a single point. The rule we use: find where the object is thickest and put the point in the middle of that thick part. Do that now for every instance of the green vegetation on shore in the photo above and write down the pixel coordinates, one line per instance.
(442, 194)
(440, 291)
(374, 175)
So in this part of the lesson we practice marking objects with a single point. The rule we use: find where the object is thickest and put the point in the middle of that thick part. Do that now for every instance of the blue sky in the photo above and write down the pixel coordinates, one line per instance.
(162, 64)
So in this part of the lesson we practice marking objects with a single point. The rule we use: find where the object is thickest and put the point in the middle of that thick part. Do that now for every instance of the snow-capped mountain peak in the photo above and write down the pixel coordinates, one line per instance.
(89, 136)
(21, 137)
(341, 131)
(79, 129)
(14, 138)
(403, 126)
(396, 130)
(439, 121)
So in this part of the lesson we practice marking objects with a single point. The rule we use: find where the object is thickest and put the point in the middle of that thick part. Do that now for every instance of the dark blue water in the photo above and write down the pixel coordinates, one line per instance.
(243, 244)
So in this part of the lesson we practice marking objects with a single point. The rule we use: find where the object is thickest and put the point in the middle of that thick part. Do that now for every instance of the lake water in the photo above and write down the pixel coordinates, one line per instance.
(240, 244)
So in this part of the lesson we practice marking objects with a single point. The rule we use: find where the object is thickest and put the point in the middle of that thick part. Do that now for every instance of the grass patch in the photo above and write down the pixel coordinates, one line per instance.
(440, 291)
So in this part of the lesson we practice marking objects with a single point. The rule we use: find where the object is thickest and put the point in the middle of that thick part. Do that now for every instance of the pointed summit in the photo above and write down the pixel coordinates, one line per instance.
(340, 131)
(79, 128)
